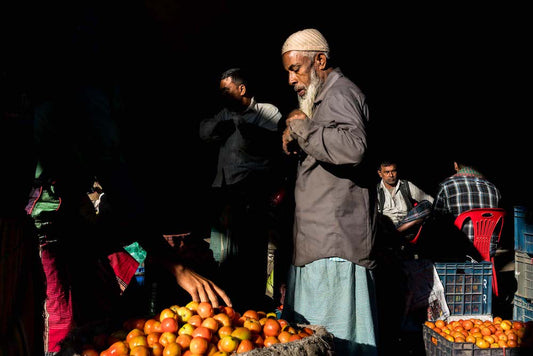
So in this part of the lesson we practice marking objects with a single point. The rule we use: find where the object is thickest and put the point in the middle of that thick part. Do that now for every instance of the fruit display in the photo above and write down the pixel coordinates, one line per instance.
(484, 334)
(194, 329)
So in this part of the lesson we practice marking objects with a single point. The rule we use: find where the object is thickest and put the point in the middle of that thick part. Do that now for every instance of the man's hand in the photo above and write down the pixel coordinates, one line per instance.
(200, 288)
(296, 114)
(289, 144)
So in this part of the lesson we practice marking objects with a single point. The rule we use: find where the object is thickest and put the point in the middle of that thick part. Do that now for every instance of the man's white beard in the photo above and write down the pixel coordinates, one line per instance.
(308, 100)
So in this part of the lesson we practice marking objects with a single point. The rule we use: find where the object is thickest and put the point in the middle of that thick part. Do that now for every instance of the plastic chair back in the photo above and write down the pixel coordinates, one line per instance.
(487, 222)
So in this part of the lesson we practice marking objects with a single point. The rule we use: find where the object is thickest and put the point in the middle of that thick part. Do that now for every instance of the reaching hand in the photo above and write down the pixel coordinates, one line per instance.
(200, 288)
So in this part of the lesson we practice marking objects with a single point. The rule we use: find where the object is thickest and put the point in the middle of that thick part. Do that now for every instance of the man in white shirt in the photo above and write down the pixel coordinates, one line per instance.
(396, 197)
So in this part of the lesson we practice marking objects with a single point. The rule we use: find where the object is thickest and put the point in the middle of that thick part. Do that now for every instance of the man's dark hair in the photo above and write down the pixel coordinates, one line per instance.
(238, 75)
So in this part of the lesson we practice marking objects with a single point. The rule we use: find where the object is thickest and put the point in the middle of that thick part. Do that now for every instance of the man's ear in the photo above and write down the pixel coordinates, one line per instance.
(321, 60)
(242, 89)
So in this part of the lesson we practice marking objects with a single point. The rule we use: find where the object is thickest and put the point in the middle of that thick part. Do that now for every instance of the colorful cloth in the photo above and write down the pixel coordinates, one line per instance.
(338, 295)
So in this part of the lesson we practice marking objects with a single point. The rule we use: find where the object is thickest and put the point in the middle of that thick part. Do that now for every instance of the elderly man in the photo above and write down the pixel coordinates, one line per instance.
(330, 281)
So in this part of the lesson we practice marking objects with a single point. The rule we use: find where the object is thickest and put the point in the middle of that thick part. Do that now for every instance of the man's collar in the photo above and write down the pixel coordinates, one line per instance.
(331, 78)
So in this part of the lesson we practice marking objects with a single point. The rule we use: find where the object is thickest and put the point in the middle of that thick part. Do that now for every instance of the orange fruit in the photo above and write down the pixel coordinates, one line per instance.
(251, 314)
(485, 331)
(467, 324)
(271, 340)
(440, 324)
(482, 344)
(284, 336)
(271, 327)
(512, 343)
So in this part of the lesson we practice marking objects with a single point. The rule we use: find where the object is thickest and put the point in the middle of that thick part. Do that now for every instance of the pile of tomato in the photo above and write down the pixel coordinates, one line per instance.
(196, 328)
(496, 333)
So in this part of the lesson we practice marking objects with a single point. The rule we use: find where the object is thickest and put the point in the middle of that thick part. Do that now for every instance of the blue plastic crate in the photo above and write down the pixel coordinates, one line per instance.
(467, 287)
(522, 309)
(523, 231)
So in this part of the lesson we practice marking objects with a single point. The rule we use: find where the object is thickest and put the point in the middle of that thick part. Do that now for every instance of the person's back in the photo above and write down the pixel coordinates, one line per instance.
(465, 190)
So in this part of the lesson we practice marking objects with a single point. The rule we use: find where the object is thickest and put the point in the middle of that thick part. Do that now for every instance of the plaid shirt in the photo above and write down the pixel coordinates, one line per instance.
(463, 191)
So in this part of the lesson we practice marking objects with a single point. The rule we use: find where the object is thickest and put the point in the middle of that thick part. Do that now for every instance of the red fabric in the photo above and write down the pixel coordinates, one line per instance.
(58, 306)
(124, 266)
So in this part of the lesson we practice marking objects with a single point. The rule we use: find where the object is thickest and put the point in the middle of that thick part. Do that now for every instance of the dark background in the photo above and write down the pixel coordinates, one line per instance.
(436, 77)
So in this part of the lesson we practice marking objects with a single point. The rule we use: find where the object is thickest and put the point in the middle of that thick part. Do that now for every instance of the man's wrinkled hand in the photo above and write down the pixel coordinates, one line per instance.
(296, 114)
(200, 288)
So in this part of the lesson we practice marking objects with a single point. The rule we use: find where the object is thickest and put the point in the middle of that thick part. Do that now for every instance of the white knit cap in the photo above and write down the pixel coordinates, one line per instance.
(305, 40)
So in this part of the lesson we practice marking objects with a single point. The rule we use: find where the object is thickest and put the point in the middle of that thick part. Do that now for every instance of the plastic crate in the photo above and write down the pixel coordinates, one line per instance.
(437, 345)
(523, 231)
(524, 274)
(467, 287)
(522, 309)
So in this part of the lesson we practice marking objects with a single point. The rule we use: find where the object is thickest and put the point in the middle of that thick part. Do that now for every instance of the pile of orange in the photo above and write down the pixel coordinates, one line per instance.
(498, 333)
(196, 329)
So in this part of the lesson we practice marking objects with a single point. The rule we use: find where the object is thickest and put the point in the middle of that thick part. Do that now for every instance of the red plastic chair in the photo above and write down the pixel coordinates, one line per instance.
(487, 222)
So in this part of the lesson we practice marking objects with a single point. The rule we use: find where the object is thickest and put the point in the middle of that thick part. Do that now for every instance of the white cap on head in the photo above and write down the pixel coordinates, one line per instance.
(305, 40)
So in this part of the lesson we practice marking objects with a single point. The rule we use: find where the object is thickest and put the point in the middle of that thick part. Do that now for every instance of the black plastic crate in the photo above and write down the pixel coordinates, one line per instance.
(467, 287)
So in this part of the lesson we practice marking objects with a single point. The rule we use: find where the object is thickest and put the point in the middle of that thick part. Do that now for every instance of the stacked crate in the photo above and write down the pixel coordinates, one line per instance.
(523, 245)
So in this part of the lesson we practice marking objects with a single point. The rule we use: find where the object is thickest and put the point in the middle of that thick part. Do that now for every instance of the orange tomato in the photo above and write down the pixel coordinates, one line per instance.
(195, 320)
(198, 345)
(140, 350)
(284, 336)
(205, 310)
(253, 325)
(251, 314)
(270, 340)
(467, 324)
(225, 330)
(482, 344)
(167, 313)
(184, 340)
(90, 352)
(169, 324)
(440, 324)
(157, 349)
(245, 345)
(272, 327)
(172, 349)
(167, 337)
(512, 343)
(152, 338)
(133, 333)
(202, 331)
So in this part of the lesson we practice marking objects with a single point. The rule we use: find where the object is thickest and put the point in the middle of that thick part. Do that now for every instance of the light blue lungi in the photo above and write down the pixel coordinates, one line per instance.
(338, 295)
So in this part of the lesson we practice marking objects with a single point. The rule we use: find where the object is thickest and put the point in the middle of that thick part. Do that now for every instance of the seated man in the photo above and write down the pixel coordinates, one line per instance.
(400, 200)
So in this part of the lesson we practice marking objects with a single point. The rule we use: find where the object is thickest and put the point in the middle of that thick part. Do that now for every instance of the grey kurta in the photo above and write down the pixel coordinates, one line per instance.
(333, 213)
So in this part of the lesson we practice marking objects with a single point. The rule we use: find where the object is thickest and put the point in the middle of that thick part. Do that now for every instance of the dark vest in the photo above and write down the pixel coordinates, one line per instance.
(406, 193)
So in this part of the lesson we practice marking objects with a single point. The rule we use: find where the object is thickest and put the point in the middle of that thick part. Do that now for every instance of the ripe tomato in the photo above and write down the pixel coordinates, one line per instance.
(205, 310)
(245, 345)
(198, 345)
(169, 324)
(272, 327)
(270, 340)
(202, 331)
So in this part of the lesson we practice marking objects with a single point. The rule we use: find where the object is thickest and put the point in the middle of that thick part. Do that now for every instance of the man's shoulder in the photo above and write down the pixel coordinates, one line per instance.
(269, 110)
